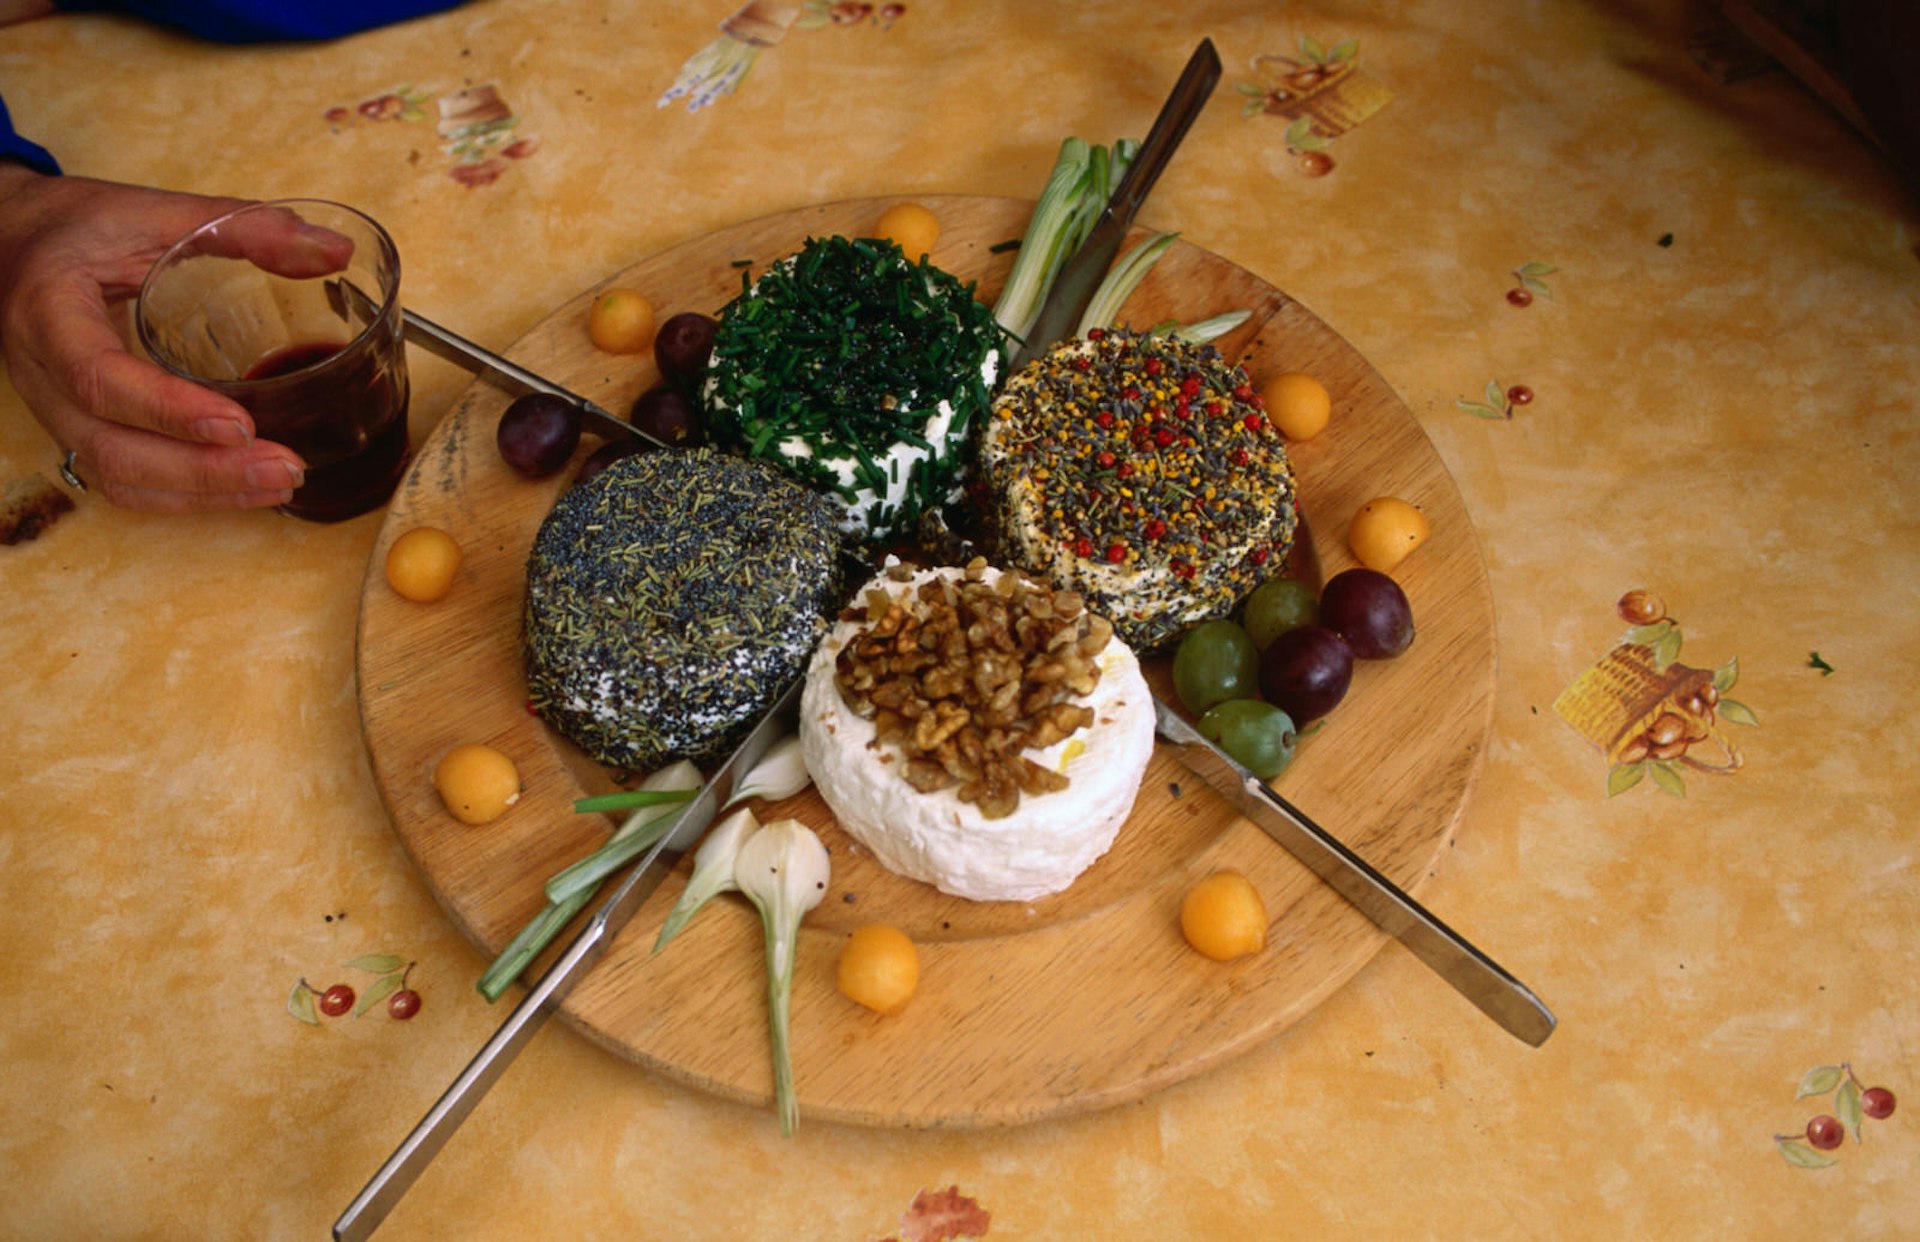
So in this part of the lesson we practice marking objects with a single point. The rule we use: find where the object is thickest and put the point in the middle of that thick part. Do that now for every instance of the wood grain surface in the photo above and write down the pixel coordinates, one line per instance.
(1080, 1001)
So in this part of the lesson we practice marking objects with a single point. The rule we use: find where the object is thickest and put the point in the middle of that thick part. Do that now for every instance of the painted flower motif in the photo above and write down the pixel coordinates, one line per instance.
(942, 1216)
(1321, 93)
(1652, 716)
(1286, 82)
(719, 68)
(402, 103)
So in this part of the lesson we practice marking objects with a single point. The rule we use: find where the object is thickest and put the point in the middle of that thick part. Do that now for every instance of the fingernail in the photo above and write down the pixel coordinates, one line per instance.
(274, 474)
(227, 431)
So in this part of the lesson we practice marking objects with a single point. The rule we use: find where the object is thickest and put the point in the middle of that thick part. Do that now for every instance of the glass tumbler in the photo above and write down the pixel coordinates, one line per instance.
(292, 308)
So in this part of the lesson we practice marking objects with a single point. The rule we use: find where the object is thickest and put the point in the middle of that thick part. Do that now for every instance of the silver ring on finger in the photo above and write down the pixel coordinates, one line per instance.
(73, 480)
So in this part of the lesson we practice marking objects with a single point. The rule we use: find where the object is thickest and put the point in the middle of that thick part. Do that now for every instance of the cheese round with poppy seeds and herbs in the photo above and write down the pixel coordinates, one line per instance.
(670, 599)
(860, 373)
(1142, 472)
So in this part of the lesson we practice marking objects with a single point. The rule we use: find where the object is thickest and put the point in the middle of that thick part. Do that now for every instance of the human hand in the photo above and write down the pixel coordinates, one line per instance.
(73, 253)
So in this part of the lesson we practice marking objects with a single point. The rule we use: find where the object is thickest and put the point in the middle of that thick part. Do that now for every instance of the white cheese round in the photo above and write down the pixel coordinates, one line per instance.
(1041, 847)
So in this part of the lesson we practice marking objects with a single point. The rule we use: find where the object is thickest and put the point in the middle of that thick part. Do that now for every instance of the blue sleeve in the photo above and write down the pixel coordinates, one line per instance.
(14, 147)
(264, 21)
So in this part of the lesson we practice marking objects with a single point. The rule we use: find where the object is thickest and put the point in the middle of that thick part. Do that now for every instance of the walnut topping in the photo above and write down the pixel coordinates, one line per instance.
(962, 676)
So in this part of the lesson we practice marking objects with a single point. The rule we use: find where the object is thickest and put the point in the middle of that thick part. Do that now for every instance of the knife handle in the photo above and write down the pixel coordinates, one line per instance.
(1177, 115)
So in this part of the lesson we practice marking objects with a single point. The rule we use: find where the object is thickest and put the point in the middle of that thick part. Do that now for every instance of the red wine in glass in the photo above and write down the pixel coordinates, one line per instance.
(345, 413)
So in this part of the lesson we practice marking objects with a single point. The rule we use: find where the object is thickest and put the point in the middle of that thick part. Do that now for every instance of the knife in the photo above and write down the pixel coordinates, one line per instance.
(457, 349)
(1077, 282)
(378, 1197)
(1471, 973)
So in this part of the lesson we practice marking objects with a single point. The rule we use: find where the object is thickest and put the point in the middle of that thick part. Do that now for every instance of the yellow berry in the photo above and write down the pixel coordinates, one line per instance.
(476, 782)
(1384, 531)
(421, 564)
(621, 322)
(1223, 917)
(911, 227)
(879, 968)
(1297, 404)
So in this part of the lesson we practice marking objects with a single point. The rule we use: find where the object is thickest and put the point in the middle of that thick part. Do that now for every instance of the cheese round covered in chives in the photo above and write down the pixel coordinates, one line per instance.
(860, 373)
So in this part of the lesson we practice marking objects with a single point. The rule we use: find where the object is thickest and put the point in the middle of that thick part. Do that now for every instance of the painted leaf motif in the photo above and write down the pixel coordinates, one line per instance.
(1479, 410)
(1253, 107)
(378, 963)
(1802, 1156)
(1535, 269)
(1536, 287)
(1667, 649)
(1667, 777)
(1624, 776)
(1846, 1106)
(378, 992)
(1311, 49)
(1647, 635)
(300, 1005)
(1251, 88)
(1726, 675)
(1496, 396)
(1345, 50)
(1819, 1080)
(1737, 712)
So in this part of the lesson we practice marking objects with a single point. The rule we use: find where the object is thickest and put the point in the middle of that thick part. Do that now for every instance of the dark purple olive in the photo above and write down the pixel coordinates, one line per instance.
(538, 433)
(682, 346)
(666, 415)
(608, 453)
(1370, 611)
(1305, 672)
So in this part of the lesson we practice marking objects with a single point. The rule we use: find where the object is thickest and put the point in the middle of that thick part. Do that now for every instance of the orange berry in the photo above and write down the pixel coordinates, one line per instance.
(621, 322)
(1223, 917)
(421, 564)
(879, 968)
(1297, 404)
(1385, 530)
(911, 227)
(477, 783)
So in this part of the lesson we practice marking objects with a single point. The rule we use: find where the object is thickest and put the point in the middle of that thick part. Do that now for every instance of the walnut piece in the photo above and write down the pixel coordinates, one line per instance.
(962, 677)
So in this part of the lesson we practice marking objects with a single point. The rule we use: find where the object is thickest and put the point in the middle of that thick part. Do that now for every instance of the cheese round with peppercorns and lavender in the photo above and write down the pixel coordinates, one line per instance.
(1142, 472)
(975, 730)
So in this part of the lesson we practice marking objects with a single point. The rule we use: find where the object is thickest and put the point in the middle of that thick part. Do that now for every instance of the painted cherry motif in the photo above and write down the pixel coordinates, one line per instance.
(1826, 1132)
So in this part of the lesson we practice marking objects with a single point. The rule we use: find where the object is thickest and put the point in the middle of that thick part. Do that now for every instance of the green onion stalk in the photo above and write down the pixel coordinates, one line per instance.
(783, 870)
(1084, 177)
(1119, 283)
(649, 820)
(712, 871)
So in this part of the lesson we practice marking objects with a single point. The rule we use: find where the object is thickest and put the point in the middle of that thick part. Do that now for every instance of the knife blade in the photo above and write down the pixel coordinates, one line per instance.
(1077, 282)
(411, 1158)
(343, 294)
(1471, 973)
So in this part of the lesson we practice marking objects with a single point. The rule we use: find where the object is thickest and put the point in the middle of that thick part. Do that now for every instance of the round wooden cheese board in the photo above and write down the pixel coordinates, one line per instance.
(1080, 1001)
